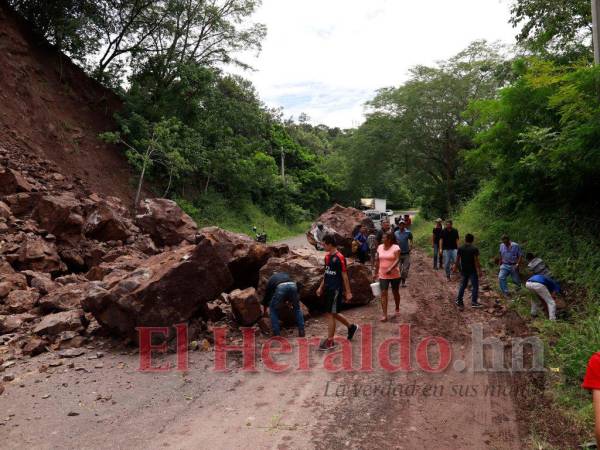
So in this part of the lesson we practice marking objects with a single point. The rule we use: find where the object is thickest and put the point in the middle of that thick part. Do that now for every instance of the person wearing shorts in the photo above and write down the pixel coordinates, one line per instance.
(334, 287)
(387, 271)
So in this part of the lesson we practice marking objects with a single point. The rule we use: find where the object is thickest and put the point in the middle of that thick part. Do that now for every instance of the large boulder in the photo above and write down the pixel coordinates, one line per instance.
(12, 182)
(245, 306)
(64, 298)
(166, 222)
(61, 215)
(21, 301)
(23, 203)
(54, 324)
(306, 268)
(164, 290)
(5, 211)
(10, 280)
(343, 223)
(243, 255)
(39, 255)
(106, 220)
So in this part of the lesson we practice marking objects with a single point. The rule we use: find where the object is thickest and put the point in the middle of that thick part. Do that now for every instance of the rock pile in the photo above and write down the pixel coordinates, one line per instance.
(73, 262)
(343, 223)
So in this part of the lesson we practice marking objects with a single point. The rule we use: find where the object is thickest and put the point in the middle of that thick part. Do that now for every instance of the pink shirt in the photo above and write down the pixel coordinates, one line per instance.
(386, 259)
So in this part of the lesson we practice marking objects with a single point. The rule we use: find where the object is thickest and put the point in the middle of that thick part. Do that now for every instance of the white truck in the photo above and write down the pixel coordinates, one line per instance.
(374, 204)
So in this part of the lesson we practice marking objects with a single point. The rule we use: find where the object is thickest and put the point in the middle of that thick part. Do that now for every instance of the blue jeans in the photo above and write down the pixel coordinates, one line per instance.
(436, 256)
(474, 278)
(505, 271)
(449, 260)
(285, 292)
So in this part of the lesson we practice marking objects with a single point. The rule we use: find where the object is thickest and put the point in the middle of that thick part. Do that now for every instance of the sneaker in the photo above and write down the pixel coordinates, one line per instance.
(351, 331)
(460, 304)
(448, 277)
(301, 333)
(476, 305)
(326, 345)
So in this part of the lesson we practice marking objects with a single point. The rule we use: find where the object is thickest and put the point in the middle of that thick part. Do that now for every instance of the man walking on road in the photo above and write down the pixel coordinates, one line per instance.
(404, 239)
(510, 258)
(385, 228)
(470, 268)
(280, 289)
(436, 237)
(335, 284)
(449, 247)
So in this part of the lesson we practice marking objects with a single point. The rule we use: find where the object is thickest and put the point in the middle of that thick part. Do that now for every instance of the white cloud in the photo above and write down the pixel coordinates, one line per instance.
(327, 57)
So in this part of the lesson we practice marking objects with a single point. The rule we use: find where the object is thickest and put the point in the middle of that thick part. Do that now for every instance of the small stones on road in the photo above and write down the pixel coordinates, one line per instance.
(71, 353)
(8, 377)
(72, 413)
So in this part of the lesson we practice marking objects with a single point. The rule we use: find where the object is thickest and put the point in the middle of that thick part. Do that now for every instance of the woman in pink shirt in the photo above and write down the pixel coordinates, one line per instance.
(387, 271)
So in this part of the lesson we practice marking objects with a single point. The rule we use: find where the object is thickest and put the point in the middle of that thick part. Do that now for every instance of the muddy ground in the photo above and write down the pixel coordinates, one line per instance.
(101, 400)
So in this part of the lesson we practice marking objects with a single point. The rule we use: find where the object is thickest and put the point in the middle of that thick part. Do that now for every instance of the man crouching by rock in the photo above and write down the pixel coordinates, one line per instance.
(335, 284)
(281, 289)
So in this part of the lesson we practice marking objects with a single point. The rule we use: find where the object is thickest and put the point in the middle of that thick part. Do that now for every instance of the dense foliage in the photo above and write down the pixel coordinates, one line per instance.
(410, 148)
(186, 126)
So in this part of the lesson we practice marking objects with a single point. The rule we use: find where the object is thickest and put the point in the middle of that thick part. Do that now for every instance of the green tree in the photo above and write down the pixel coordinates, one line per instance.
(554, 28)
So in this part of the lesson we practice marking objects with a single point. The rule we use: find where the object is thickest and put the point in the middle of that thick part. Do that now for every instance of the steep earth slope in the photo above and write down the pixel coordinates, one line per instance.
(50, 108)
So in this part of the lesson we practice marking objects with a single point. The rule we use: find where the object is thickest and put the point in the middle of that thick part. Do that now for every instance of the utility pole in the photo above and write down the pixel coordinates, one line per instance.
(596, 29)
(283, 164)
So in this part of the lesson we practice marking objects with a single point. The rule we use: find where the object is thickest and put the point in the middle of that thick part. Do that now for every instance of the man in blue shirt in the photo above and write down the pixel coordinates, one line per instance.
(543, 287)
(404, 238)
(363, 245)
(510, 258)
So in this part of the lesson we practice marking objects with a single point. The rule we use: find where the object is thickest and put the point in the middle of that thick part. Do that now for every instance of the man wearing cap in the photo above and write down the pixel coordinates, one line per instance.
(404, 239)
(435, 242)
(510, 258)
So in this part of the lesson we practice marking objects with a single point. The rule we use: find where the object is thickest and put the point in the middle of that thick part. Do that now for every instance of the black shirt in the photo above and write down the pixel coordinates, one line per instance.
(335, 265)
(275, 280)
(437, 235)
(467, 254)
(380, 234)
(449, 239)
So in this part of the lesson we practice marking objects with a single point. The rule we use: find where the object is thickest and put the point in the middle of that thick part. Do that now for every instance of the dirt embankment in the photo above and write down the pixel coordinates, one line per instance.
(51, 108)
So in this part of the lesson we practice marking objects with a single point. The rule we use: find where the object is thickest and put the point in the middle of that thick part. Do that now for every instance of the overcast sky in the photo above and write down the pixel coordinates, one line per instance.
(327, 57)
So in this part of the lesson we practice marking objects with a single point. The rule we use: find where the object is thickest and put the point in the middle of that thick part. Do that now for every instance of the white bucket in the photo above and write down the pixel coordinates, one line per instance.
(376, 289)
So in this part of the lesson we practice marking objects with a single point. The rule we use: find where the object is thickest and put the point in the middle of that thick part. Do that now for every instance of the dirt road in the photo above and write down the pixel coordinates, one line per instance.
(107, 403)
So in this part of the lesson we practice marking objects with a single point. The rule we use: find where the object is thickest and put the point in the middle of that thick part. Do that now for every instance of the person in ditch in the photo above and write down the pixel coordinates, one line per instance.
(281, 289)
(335, 284)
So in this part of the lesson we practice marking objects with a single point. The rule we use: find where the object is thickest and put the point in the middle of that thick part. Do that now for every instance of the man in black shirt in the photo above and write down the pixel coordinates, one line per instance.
(449, 239)
(470, 268)
(335, 284)
(280, 289)
(436, 238)
(385, 227)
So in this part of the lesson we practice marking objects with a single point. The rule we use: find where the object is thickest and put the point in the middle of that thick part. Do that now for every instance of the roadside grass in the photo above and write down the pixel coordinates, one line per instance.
(214, 210)
(572, 252)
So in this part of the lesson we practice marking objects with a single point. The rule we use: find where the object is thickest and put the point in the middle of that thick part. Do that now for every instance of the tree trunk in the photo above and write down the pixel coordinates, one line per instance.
(139, 188)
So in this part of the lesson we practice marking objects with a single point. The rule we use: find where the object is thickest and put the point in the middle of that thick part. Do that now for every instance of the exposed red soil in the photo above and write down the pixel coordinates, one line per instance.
(51, 108)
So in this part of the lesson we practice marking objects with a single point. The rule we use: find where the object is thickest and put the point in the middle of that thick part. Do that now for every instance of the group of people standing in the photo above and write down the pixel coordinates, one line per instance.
(465, 259)
(389, 252)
